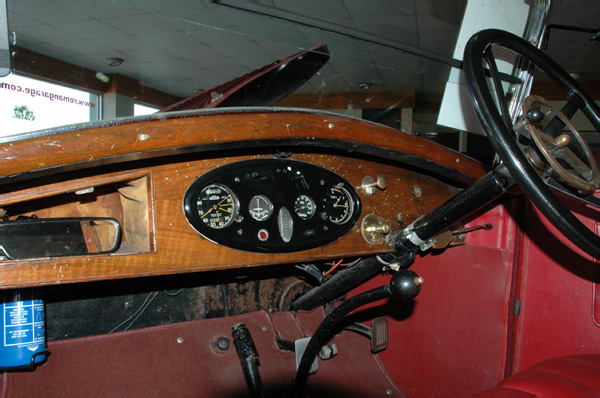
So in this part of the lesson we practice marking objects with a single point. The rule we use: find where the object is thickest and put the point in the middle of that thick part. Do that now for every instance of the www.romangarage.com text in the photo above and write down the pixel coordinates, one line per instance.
(44, 94)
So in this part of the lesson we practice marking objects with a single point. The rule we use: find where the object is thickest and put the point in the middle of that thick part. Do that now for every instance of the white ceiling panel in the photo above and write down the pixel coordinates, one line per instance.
(85, 47)
(170, 40)
(201, 55)
(174, 45)
(47, 11)
(330, 10)
(91, 29)
(50, 50)
(100, 9)
(446, 28)
(18, 20)
(143, 24)
(125, 44)
(440, 7)
(50, 34)
(374, 8)
(218, 36)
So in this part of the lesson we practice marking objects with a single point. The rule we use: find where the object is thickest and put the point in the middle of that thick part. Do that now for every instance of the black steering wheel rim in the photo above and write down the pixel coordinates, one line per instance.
(502, 136)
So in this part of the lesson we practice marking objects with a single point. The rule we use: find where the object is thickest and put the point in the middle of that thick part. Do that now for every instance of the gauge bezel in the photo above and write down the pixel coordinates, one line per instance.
(268, 211)
(348, 198)
(192, 205)
(282, 181)
(234, 200)
(313, 207)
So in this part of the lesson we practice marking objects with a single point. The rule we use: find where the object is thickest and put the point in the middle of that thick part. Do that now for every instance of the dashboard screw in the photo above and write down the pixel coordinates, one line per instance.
(222, 344)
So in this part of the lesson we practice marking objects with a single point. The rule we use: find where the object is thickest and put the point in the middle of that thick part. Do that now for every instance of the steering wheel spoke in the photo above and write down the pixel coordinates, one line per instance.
(551, 155)
(589, 199)
(490, 60)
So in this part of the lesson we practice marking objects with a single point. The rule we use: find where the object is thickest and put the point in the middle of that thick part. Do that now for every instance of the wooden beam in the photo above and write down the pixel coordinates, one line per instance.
(549, 90)
(398, 99)
(40, 66)
(130, 87)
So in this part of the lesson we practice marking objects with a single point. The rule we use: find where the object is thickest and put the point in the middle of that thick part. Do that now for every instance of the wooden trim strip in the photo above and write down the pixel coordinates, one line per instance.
(95, 144)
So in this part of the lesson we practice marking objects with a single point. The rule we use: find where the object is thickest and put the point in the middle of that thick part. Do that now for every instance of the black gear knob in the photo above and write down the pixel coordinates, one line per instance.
(405, 285)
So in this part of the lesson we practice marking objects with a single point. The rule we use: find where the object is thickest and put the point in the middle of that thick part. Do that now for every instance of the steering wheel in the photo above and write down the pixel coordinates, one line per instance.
(531, 165)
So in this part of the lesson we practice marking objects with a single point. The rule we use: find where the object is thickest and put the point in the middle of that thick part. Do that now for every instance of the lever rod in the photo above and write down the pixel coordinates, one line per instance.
(249, 358)
(405, 285)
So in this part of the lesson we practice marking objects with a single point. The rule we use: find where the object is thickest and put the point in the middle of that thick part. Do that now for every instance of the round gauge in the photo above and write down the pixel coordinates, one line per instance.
(217, 206)
(304, 207)
(339, 205)
(260, 208)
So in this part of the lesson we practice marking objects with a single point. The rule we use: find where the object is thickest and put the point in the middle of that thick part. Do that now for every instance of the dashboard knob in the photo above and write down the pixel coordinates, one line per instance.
(369, 184)
(384, 228)
(405, 285)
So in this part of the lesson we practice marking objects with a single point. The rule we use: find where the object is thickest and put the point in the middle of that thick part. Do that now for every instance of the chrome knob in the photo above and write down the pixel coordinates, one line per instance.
(369, 184)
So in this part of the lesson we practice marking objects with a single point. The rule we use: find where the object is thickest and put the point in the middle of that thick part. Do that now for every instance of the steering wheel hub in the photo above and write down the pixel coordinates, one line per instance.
(561, 160)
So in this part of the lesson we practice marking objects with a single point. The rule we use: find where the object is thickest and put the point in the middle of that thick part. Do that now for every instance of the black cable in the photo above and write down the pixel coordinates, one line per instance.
(326, 327)
(347, 279)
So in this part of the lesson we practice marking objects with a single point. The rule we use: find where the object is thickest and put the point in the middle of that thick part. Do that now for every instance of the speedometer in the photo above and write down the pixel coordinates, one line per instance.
(217, 206)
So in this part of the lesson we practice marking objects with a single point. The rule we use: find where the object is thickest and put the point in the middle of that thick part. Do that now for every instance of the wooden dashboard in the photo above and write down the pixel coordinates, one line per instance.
(138, 170)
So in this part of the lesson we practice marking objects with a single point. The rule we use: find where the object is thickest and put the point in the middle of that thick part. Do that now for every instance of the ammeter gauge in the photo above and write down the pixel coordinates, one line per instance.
(260, 208)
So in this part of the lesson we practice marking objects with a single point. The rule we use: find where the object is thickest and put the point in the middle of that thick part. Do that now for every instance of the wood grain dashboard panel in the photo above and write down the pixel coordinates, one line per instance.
(137, 170)
(158, 238)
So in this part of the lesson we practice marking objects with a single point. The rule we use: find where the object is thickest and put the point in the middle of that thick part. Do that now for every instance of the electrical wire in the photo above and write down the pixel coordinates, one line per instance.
(286, 291)
(340, 264)
(136, 314)
(333, 268)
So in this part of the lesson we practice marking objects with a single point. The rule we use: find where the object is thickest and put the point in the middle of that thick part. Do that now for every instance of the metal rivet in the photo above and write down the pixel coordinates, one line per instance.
(417, 191)
(180, 340)
(222, 344)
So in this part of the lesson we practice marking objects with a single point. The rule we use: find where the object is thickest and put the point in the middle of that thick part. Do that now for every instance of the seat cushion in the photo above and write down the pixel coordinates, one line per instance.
(572, 376)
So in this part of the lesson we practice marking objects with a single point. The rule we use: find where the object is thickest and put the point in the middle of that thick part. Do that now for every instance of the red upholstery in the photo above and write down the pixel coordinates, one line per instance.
(573, 376)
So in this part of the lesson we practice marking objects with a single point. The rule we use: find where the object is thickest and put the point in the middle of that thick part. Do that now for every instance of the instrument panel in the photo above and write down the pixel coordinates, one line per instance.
(271, 205)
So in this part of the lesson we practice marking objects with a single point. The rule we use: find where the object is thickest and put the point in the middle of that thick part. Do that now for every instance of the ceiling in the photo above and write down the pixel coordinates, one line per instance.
(184, 46)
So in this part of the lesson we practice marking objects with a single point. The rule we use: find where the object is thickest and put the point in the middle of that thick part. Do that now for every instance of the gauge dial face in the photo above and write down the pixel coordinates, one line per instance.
(260, 207)
(304, 207)
(217, 206)
(339, 205)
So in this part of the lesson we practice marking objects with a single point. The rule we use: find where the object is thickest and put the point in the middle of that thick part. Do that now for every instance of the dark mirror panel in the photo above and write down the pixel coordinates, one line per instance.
(28, 238)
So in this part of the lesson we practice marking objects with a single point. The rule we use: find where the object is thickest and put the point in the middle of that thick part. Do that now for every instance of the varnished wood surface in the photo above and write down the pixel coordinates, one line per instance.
(148, 198)
(177, 248)
(166, 134)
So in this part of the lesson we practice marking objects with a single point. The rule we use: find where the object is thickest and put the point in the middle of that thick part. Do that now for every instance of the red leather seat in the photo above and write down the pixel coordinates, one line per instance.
(573, 376)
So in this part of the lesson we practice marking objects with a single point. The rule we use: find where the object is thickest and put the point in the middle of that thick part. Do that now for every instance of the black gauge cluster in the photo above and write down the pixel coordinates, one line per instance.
(271, 205)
